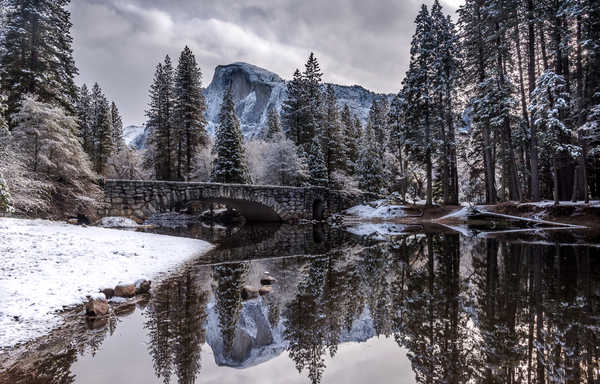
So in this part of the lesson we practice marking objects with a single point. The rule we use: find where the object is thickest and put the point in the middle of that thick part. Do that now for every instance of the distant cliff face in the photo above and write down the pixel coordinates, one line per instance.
(255, 90)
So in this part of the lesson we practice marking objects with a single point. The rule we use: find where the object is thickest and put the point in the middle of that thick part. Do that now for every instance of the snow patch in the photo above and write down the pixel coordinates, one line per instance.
(48, 266)
(377, 210)
(116, 222)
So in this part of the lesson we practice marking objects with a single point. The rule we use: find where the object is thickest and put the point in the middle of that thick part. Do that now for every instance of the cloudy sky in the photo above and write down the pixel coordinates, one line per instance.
(118, 42)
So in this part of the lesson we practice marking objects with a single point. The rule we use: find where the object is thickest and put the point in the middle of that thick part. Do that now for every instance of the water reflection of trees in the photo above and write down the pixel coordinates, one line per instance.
(175, 326)
(467, 311)
(229, 280)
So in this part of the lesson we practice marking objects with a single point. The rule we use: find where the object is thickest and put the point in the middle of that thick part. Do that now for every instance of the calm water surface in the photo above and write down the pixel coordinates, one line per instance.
(428, 306)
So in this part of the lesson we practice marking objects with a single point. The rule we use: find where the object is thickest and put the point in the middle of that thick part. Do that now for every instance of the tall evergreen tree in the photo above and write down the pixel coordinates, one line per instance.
(159, 156)
(292, 109)
(334, 149)
(317, 167)
(417, 86)
(230, 164)
(302, 110)
(351, 137)
(85, 118)
(188, 112)
(371, 168)
(117, 128)
(37, 54)
(104, 137)
(273, 128)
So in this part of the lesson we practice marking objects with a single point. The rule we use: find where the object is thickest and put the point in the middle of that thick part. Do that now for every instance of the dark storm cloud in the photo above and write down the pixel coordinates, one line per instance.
(118, 42)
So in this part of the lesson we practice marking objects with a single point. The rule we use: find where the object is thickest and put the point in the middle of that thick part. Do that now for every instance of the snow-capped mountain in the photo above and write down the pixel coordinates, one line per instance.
(135, 136)
(255, 90)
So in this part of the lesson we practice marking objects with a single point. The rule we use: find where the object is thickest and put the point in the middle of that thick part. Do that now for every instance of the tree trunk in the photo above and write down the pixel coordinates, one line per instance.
(535, 177)
(555, 179)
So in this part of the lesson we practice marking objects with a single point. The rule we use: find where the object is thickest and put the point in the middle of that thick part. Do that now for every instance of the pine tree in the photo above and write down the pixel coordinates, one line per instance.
(292, 109)
(549, 102)
(104, 137)
(159, 155)
(417, 86)
(38, 56)
(273, 128)
(313, 98)
(230, 164)
(317, 167)
(351, 137)
(188, 111)
(117, 128)
(371, 168)
(85, 119)
(334, 150)
(302, 110)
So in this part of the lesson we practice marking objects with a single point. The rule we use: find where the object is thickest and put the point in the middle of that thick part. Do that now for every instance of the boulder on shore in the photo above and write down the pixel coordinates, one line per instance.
(125, 290)
(142, 286)
(249, 292)
(96, 307)
(108, 292)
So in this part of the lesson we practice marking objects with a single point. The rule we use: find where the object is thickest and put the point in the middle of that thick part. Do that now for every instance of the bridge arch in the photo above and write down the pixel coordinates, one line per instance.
(141, 199)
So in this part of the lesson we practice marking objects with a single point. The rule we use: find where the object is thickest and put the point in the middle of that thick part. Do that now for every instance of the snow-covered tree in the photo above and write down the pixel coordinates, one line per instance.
(117, 128)
(159, 156)
(317, 167)
(125, 164)
(282, 165)
(46, 137)
(104, 136)
(273, 127)
(549, 102)
(85, 118)
(293, 109)
(334, 149)
(371, 170)
(188, 113)
(230, 164)
(5, 199)
(351, 138)
(37, 54)
(302, 110)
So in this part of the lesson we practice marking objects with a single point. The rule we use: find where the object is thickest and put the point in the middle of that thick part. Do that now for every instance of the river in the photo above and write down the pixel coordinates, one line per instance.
(425, 306)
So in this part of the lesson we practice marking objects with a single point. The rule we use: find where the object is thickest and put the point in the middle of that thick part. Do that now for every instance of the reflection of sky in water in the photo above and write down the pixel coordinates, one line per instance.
(124, 358)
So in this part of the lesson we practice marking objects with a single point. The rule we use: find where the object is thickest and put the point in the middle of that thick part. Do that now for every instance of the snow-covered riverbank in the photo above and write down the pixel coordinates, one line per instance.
(46, 266)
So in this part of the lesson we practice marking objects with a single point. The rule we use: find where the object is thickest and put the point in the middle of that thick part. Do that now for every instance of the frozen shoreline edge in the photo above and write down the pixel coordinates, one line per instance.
(49, 266)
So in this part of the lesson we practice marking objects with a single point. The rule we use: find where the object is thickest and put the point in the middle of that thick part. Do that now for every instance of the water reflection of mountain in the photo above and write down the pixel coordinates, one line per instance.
(467, 310)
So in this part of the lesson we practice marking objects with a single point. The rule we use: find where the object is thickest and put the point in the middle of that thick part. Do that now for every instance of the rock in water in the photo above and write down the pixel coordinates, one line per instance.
(265, 290)
(249, 292)
(142, 286)
(125, 290)
(96, 307)
(268, 280)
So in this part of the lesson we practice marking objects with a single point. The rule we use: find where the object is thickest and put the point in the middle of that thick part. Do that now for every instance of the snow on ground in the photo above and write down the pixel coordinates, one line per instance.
(550, 203)
(46, 266)
(460, 214)
(116, 222)
(377, 210)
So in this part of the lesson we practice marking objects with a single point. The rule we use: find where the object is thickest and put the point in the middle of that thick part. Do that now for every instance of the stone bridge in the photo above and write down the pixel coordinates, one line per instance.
(140, 199)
